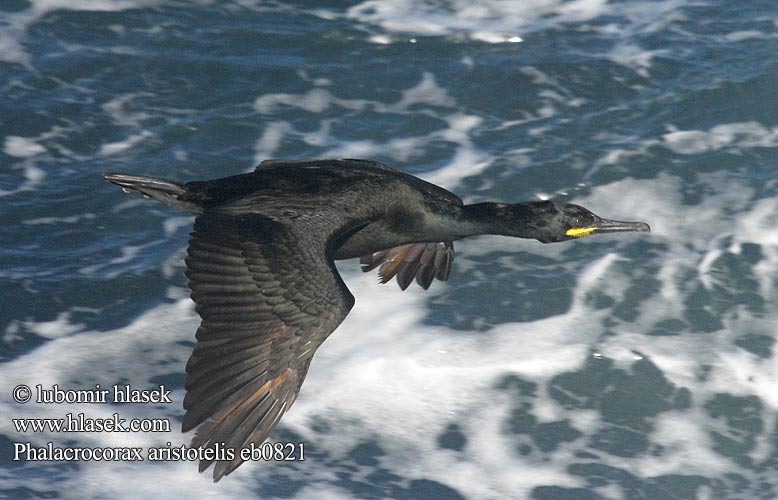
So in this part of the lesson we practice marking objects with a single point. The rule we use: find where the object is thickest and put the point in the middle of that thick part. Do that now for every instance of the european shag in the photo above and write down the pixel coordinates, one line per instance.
(260, 265)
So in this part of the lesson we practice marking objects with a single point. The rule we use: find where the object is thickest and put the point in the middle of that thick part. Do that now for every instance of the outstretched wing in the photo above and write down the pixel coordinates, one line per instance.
(268, 297)
(423, 261)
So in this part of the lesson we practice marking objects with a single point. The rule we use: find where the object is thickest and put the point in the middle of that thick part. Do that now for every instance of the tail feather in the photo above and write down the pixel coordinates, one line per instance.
(171, 194)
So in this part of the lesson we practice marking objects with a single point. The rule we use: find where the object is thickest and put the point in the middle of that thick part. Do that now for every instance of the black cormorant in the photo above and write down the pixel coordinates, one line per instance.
(260, 264)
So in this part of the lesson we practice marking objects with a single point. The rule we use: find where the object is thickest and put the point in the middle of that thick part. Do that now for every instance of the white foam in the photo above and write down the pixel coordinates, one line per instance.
(33, 176)
(739, 134)
(634, 56)
(73, 219)
(506, 22)
(29, 150)
(739, 36)
(61, 326)
(116, 108)
(171, 225)
(113, 148)
(318, 100)
(659, 202)
(427, 91)
(466, 160)
(491, 21)
(11, 37)
(271, 139)
(22, 147)
(129, 252)
(13, 31)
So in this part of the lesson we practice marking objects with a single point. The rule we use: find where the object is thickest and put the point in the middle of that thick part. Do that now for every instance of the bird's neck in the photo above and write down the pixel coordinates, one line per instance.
(497, 218)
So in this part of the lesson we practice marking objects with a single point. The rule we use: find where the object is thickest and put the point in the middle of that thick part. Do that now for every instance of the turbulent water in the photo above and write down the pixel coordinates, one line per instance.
(626, 366)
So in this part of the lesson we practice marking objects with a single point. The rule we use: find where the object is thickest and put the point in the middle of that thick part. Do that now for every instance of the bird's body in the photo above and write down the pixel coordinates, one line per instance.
(261, 268)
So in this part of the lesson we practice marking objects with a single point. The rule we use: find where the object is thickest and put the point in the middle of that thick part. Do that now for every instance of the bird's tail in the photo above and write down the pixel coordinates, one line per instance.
(171, 194)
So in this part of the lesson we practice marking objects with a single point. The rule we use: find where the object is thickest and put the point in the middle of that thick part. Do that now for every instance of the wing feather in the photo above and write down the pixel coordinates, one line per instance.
(268, 297)
(420, 261)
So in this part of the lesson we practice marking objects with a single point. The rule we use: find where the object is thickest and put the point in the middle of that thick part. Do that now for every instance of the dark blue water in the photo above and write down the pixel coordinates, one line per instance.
(619, 367)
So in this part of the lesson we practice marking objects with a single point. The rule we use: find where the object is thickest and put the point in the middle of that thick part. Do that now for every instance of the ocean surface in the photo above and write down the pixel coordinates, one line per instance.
(618, 367)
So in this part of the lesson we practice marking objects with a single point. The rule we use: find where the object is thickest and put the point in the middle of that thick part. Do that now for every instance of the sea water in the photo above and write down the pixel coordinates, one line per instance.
(618, 367)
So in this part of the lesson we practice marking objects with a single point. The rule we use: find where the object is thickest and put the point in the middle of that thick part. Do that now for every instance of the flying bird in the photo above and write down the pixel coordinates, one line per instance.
(261, 269)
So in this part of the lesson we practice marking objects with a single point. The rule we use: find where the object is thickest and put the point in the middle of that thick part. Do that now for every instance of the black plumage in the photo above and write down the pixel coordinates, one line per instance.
(260, 265)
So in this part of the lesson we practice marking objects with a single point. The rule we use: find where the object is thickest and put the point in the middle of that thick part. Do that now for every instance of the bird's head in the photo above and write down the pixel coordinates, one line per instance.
(551, 221)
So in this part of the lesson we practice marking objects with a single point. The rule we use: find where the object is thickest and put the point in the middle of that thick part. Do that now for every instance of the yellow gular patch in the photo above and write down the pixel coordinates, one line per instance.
(580, 232)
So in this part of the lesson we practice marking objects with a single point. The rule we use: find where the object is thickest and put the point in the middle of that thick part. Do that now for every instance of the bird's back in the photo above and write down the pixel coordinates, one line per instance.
(352, 186)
